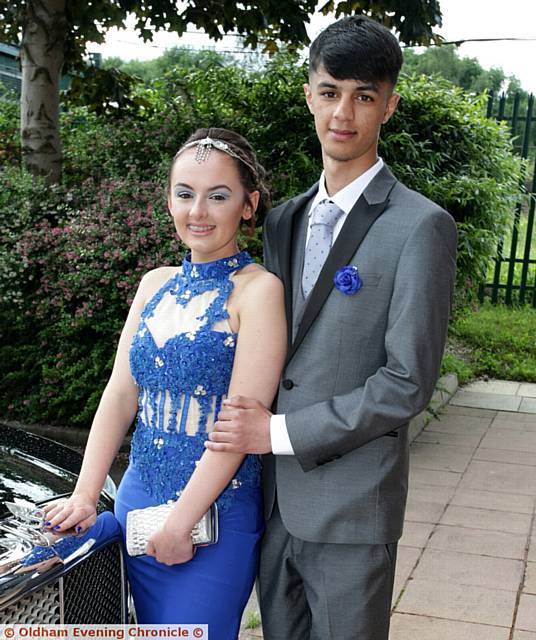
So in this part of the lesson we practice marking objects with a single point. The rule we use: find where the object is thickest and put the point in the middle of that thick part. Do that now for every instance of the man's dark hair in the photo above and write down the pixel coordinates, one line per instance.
(357, 48)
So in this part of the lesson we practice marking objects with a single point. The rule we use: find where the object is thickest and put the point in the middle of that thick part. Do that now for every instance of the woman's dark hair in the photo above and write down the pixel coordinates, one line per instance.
(357, 48)
(251, 172)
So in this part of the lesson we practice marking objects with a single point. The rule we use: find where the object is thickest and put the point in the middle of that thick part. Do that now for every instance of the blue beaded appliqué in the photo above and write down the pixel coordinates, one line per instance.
(191, 365)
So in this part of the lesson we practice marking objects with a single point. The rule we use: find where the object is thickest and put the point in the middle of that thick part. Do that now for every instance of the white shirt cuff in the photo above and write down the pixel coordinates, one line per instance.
(281, 445)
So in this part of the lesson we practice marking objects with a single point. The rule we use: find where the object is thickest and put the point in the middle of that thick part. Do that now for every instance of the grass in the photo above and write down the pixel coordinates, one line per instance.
(494, 342)
(458, 365)
(253, 620)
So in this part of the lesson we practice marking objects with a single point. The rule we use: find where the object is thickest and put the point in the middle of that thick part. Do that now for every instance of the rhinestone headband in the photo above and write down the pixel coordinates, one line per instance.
(205, 146)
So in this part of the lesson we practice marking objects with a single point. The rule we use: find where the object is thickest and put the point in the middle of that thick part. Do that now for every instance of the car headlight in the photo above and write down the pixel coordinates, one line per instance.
(110, 488)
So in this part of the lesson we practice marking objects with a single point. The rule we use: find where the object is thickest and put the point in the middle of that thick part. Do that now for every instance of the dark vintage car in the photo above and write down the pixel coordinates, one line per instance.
(45, 579)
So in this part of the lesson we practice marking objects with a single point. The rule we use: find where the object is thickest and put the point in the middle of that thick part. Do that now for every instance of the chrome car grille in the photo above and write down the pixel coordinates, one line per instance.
(93, 591)
(42, 607)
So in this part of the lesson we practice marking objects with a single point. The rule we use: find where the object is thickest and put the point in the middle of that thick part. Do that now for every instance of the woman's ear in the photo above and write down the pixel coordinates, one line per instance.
(252, 205)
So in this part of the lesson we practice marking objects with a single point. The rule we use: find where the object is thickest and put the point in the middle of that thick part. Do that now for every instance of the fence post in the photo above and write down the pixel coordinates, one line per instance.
(530, 226)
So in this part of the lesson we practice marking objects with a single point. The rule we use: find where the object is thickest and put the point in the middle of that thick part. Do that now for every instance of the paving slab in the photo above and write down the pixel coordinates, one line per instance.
(523, 635)
(405, 626)
(488, 519)
(419, 477)
(496, 476)
(429, 493)
(498, 387)
(251, 634)
(468, 438)
(416, 534)
(458, 424)
(460, 410)
(406, 559)
(530, 578)
(527, 389)
(469, 569)
(486, 400)
(478, 541)
(532, 550)
(514, 417)
(492, 500)
(509, 440)
(420, 511)
(440, 457)
(526, 613)
(519, 458)
(528, 405)
(456, 602)
(504, 424)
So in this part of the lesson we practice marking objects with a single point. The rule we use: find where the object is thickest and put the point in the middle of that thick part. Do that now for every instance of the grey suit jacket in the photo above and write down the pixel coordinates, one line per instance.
(360, 366)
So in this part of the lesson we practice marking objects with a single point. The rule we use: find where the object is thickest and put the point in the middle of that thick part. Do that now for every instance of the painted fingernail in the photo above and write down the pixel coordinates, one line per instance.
(78, 529)
(57, 526)
(47, 524)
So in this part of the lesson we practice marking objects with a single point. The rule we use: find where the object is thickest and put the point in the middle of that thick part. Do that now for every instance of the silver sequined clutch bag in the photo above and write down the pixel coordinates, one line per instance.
(142, 523)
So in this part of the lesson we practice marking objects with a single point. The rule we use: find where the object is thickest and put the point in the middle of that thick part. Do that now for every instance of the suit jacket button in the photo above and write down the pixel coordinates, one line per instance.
(288, 384)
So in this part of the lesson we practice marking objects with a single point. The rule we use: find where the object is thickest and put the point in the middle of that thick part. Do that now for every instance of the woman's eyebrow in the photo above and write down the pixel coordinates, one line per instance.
(216, 186)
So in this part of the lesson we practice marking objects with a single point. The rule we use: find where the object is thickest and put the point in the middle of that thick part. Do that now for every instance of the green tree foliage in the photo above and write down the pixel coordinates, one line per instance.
(150, 70)
(467, 73)
(54, 34)
(72, 254)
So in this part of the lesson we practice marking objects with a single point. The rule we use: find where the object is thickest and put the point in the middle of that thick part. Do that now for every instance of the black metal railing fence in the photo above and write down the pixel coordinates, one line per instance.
(514, 272)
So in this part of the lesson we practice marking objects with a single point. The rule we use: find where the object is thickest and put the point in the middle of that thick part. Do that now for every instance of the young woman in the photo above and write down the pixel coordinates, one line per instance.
(196, 334)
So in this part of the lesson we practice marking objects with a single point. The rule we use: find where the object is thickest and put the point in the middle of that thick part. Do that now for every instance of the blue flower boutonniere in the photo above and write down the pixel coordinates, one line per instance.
(347, 280)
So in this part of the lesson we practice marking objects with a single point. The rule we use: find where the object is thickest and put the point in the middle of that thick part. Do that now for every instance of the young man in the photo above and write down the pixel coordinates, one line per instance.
(368, 267)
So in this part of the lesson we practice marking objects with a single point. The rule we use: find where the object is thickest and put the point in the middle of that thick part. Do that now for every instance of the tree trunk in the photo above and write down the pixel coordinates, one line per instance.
(42, 50)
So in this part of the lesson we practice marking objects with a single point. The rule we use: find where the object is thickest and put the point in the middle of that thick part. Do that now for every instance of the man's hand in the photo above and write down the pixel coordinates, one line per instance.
(243, 426)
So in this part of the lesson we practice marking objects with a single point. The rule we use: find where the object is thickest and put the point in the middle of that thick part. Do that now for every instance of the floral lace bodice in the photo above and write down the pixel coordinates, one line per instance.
(181, 359)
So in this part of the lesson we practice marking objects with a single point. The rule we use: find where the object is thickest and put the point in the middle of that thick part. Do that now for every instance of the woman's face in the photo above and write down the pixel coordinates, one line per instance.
(207, 202)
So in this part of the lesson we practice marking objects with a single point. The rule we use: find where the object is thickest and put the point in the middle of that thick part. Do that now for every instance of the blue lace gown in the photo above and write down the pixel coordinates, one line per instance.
(181, 359)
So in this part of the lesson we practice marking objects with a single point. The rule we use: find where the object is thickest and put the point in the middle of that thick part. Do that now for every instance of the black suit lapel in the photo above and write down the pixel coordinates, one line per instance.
(354, 230)
(286, 234)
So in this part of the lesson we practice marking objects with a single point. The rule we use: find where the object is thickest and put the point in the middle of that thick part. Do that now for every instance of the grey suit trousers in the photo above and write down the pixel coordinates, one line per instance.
(315, 591)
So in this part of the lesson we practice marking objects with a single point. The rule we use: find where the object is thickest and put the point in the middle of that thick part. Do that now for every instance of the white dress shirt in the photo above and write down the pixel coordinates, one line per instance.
(345, 199)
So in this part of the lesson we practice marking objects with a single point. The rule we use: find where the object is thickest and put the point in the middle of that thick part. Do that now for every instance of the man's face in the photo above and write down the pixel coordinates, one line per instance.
(348, 116)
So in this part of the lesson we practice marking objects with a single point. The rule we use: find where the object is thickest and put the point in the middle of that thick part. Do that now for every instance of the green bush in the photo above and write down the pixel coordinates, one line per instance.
(69, 298)
(9, 128)
(440, 144)
(72, 255)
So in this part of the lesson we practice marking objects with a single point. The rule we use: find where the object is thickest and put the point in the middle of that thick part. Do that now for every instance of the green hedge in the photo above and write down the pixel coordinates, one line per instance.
(70, 256)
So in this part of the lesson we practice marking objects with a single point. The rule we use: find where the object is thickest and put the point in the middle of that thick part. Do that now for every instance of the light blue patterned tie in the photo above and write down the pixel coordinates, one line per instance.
(324, 218)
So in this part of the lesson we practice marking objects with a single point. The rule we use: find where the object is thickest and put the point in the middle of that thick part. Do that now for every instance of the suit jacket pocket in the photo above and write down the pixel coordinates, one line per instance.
(370, 279)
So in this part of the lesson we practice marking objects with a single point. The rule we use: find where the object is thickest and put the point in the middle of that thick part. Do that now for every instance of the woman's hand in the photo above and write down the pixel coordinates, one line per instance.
(170, 545)
(73, 515)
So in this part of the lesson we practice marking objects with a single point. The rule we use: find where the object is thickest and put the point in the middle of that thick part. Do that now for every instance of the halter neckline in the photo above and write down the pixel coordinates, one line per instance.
(216, 269)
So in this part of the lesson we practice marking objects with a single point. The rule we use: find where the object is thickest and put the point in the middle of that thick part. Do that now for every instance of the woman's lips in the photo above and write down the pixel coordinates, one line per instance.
(201, 229)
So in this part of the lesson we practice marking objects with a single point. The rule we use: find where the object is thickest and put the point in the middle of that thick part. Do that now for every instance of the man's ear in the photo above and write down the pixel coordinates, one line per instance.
(308, 96)
(390, 107)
